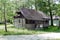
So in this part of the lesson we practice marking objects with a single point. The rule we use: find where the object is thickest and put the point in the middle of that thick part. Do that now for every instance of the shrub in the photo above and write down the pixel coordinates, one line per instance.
(1, 22)
(52, 28)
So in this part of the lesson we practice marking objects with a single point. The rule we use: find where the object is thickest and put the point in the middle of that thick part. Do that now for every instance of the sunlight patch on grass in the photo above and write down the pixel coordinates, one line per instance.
(21, 31)
(25, 31)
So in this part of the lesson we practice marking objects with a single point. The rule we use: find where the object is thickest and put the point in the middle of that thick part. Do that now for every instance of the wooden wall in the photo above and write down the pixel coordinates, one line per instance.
(21, 23)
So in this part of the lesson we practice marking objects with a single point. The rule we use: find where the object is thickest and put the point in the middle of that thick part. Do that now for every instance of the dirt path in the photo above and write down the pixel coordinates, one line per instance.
(32, 37)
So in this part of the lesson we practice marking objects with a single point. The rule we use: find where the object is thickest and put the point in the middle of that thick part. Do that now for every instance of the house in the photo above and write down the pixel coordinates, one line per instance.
(30, 19)
(56, 20)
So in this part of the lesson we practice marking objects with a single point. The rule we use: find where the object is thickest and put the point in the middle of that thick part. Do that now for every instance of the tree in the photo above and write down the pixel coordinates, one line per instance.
(50, 10)
(5, 19)
(35, 5)
(4, 5)
(12, 5)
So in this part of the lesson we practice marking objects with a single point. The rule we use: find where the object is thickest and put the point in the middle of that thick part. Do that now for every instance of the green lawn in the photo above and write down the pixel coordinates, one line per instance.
(15, 31)
(24, 31)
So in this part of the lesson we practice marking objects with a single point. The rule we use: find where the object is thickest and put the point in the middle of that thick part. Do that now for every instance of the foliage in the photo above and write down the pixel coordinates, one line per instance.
(52, 29)
(12, 5)
(10, 8)
(58, 9)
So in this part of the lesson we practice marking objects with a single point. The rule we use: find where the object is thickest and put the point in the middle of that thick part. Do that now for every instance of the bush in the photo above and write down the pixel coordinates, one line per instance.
(1, 22)
(53, 28)
(9, 21)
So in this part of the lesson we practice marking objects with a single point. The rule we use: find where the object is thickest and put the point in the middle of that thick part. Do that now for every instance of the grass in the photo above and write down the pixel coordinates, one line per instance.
(19, 32)
(25, 31)
(1, 24)
(15, 31)
(52, 39)
(2, 32)
(52, 29)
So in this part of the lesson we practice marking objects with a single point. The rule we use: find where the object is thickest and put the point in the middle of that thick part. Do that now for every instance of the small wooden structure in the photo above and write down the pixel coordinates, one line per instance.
(56, 20)
(31, 19)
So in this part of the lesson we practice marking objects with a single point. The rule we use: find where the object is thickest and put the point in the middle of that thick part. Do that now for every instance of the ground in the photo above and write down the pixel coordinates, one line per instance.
(44, 36)
(50, 36)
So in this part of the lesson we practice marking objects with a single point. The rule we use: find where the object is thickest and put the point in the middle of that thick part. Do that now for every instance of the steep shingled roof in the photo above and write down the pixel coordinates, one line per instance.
(31, 14)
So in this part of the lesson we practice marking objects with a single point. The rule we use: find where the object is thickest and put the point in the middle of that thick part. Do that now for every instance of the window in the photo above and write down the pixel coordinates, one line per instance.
(46, 21)
(19, 20)
(30, 21)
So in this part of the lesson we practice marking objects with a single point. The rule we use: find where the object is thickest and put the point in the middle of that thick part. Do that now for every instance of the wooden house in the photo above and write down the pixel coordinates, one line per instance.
(30, 19)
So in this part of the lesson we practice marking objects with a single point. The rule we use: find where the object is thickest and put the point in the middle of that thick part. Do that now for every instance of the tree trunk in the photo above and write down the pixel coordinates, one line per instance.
(50, 13)
(5, 19)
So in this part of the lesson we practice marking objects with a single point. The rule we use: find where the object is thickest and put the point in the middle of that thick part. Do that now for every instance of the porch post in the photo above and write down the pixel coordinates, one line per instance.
(59, 23)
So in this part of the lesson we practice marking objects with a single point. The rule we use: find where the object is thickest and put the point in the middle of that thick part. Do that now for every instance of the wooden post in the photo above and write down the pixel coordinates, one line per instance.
(59, 23)
(22, 22)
